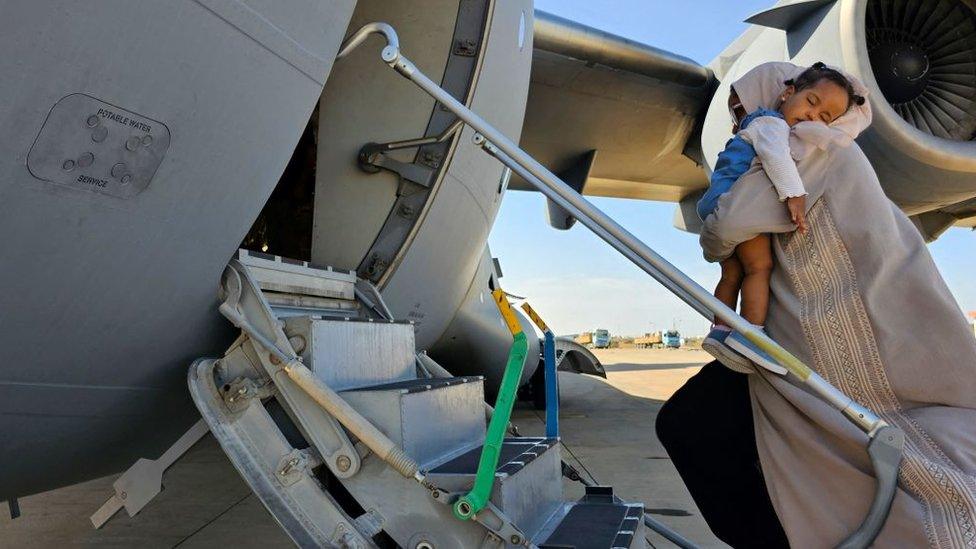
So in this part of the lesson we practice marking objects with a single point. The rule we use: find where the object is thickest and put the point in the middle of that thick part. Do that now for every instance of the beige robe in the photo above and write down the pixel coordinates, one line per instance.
(859, 300)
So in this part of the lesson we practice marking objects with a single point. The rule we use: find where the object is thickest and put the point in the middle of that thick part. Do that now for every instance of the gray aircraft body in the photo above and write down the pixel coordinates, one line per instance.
(145, 142)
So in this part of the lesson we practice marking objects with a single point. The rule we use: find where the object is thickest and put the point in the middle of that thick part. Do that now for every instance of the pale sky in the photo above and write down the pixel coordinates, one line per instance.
(577, 282)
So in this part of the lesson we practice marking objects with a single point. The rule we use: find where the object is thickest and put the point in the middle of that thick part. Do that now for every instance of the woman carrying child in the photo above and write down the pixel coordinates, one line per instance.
(819, 95)
(858, 298)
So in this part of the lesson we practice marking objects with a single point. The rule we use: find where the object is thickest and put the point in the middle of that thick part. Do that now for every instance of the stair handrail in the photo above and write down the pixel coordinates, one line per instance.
(885, 442)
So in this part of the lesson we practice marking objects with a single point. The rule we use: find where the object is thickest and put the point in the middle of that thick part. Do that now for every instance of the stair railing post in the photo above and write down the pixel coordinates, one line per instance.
(549, 370)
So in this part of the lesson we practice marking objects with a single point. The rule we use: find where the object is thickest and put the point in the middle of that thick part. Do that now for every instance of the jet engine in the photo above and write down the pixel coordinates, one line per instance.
(918, 58)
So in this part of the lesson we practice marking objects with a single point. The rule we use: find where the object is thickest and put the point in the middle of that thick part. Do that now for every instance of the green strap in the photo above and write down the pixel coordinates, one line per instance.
(476, 500)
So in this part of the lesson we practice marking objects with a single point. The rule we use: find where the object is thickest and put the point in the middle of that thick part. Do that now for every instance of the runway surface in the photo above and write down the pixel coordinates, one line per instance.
(607, 428)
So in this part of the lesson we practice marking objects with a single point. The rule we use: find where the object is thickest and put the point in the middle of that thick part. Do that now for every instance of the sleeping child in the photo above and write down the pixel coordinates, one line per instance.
(819, 95)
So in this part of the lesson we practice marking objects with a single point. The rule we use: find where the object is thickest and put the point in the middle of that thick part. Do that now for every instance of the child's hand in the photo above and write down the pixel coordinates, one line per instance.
(797, 207)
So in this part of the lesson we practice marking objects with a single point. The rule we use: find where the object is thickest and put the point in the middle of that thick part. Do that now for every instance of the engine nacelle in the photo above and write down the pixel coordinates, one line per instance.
(918, 58)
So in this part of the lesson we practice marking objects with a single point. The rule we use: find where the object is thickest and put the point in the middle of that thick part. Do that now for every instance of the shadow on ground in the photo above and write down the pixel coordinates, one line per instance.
(623, 367)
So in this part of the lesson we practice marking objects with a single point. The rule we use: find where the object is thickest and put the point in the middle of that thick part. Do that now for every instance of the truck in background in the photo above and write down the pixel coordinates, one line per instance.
(601, 338)
(672, 339)
(650, 340)
(585, 339)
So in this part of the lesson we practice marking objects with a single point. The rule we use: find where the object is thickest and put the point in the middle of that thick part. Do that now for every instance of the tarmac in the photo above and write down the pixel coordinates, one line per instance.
(607, 430)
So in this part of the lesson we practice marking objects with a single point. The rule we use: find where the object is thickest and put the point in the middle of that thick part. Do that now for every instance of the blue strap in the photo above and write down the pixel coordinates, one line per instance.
(552, 385)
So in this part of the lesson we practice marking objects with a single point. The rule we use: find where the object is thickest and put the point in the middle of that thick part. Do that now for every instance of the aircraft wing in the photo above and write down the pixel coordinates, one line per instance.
(613, 116)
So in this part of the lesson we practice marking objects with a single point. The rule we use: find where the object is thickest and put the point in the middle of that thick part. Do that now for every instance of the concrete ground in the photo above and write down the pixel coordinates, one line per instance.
(606, 427)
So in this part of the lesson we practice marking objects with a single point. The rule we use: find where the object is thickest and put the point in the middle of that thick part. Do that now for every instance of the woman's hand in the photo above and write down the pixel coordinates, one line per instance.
(797, 207)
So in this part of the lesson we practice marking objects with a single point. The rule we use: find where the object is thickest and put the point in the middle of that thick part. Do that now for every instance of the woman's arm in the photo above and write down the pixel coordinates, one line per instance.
(752, 207)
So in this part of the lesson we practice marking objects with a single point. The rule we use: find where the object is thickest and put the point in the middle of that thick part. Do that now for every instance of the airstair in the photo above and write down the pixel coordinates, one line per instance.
(350, 439)
(344, 432)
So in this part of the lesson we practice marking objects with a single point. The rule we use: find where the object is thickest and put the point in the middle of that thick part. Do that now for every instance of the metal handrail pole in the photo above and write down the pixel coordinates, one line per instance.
(862, 417)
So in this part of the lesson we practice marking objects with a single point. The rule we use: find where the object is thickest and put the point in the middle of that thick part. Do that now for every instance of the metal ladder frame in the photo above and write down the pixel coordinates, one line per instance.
(885, 442)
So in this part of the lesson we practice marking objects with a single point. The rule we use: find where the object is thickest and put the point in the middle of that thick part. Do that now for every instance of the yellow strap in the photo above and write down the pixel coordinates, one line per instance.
(534, 317)
(505, 308)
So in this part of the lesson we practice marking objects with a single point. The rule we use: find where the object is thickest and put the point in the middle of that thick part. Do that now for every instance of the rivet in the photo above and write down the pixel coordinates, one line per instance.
(132, 143)
(125, 179)
(99, 134)
(92, 121)
(86, 159)
(122, 495)
(343, 463)
(68, 165)
(516, 540)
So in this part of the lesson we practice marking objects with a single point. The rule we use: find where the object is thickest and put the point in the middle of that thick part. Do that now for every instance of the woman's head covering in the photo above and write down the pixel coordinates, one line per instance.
(762, 87)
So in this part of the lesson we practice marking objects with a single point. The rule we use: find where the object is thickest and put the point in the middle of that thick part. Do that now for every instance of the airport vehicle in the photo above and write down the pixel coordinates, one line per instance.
(585, 338)
(671, 339)
(601, 339)
(136, 163)
(650, 340)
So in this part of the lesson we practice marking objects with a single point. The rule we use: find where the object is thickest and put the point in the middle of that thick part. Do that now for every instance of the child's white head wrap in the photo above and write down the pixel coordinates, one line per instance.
(762, 87)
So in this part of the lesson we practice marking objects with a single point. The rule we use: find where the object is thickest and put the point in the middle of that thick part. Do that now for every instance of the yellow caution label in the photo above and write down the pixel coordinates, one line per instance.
(534, 317)
(505, 308)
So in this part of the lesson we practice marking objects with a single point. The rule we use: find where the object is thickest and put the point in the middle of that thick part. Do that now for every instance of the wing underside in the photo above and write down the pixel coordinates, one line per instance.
(614, 116)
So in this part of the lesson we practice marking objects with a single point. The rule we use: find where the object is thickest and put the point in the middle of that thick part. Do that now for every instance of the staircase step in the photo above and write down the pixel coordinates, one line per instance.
(598, 520)
(428, 418)
(352, 353)
(528, 484)
(282, 275)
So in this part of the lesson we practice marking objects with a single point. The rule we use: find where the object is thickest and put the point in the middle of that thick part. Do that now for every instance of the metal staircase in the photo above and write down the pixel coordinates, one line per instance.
(328, 482)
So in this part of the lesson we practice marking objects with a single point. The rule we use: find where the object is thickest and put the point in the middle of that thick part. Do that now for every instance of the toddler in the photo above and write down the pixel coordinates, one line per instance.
(819, 94)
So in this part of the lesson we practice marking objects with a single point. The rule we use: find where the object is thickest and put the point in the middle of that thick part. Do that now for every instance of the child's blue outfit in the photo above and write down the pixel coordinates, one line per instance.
(734, 161)
(771, 137)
